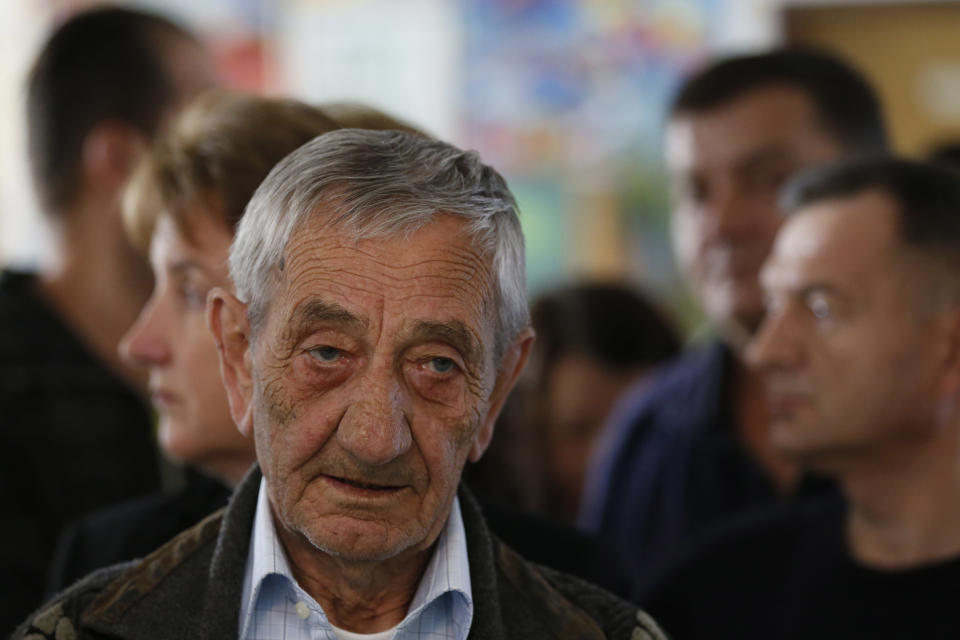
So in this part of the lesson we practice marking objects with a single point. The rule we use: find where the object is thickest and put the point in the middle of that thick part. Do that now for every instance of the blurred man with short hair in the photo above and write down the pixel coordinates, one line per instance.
(75, 433)
(860, 350)
(690, 448)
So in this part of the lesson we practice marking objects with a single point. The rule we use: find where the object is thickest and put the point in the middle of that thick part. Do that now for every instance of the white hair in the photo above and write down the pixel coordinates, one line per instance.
(381, 184)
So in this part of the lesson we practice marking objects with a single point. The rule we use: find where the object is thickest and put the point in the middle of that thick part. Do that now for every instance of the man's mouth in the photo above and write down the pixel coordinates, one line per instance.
(784, 405)
(364, 485)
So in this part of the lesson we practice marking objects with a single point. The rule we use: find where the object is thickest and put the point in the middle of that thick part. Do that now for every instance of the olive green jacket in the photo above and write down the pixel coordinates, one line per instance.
(191, 588)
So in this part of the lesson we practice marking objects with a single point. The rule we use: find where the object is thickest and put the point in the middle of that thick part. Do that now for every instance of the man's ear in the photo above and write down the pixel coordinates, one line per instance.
(511, 366)
(950, 380)
(227, 321)
(111, 149)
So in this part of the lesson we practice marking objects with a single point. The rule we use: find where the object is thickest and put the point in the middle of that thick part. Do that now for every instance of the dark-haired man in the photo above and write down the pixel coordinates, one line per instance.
(690, 447)
(860, 350)
(74, 435)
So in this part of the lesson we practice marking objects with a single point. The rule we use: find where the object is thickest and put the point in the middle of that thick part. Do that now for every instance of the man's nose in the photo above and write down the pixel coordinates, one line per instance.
(726, 212)
(144, 344)
(375, 428)
(774, 345)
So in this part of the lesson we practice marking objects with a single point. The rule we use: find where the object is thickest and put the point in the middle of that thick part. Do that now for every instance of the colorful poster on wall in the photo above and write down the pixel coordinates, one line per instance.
(568, 98)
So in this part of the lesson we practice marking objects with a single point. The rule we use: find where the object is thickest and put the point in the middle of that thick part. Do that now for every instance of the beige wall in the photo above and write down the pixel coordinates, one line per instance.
(911, 51)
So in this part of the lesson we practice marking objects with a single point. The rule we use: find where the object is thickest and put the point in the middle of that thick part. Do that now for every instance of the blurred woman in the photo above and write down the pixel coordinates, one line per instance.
(594, 341)
(181, 208)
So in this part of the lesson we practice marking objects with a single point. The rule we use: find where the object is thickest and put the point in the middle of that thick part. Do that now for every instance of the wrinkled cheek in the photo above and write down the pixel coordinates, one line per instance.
(273, 415)
(453, 450)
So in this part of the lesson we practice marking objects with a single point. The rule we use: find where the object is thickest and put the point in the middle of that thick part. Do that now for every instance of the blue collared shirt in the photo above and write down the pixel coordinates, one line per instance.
(274, 606)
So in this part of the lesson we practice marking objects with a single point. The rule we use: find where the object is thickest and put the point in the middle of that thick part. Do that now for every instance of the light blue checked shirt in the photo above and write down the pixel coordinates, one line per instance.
(274, 607)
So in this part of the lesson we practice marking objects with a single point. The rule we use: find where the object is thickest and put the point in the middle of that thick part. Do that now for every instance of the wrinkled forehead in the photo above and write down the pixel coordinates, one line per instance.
(436, 271)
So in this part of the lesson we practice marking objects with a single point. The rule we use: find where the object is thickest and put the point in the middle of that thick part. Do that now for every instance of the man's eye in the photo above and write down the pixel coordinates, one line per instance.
(441, 365)
(819, 306)
(772, 179)
(325, 354)
(193, 297)
(692, 191)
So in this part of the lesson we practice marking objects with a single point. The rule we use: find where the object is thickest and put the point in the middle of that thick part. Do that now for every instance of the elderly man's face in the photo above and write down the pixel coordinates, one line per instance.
(372, 381)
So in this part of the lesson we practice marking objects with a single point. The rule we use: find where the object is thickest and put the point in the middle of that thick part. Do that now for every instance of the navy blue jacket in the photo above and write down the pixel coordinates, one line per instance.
(670, 464)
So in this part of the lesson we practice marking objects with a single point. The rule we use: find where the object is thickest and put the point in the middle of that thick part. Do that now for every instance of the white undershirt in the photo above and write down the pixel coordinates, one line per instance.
(343, 634)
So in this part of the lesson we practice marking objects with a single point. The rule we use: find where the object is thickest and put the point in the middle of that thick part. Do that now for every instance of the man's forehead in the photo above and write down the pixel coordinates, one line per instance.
(436, 272)
(769, 119)
(442, 245)
(835, 239)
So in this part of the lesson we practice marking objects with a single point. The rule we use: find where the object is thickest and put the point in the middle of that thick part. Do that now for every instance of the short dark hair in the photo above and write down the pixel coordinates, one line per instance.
(846, 103)
(612, 323)
(100, 64)
(927, 197)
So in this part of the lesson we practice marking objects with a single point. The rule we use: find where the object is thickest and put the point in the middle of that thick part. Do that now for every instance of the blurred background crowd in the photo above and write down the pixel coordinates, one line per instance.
(567, 98)
(571, 101)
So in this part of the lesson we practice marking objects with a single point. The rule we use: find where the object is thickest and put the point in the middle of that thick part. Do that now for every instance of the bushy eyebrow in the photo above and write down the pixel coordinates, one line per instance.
(312, 313)
(453, 332)
(318, 312)
(818, 287)
(764, 157)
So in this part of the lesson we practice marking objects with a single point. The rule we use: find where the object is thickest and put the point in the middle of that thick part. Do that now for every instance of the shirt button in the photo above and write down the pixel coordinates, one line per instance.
(303, 612)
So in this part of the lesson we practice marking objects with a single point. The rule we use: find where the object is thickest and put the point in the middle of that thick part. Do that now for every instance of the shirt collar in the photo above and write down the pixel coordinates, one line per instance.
(447, 572)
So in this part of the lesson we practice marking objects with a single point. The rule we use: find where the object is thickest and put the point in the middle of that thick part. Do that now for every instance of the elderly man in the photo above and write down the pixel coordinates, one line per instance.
(379, 324)
(688, 448)
(861, 352)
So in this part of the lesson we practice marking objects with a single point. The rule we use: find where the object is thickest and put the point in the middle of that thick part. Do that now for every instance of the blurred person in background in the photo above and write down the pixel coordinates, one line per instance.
(860, 350)
(945, 154)
(594, 340)
(691, 448)
(75, 433)
(357, 115)
(181, 208)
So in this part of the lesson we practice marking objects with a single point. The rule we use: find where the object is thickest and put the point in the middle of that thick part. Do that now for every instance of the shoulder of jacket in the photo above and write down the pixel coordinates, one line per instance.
(59, 619)
(145, 576)
(574, 608)
(105, 595)
(51, 623)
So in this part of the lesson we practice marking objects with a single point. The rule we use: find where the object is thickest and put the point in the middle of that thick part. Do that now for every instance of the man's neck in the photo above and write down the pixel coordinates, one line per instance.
(98, 286)
(363, 597)
(905, 504)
